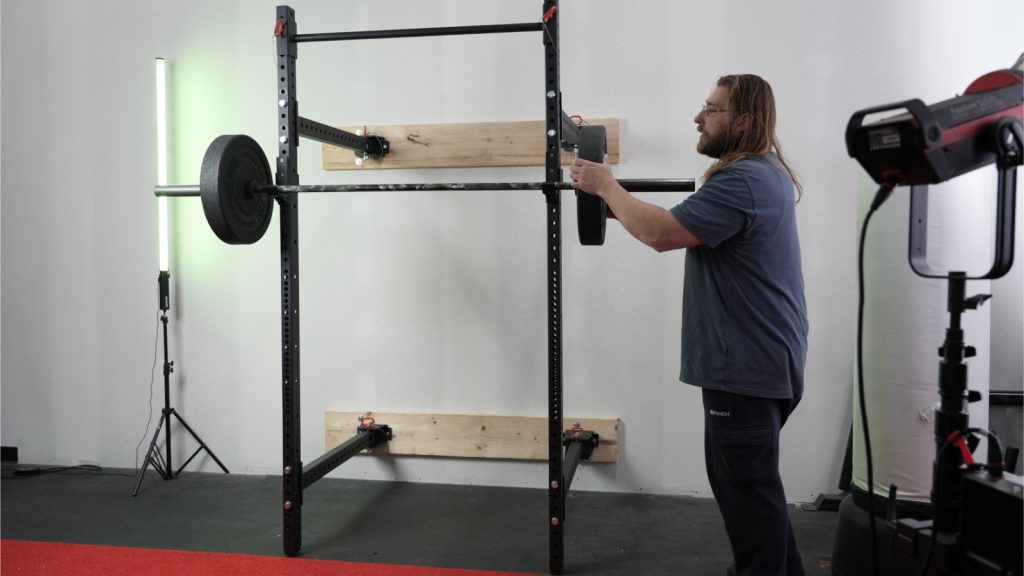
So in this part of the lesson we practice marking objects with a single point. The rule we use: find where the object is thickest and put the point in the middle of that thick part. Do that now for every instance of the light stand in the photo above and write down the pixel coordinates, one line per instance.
(162, 464)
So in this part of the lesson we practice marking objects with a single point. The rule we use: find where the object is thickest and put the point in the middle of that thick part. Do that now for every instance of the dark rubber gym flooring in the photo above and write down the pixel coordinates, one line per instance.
(448, 526)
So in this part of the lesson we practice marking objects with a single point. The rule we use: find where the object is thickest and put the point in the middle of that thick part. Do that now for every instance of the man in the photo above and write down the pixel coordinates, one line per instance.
(744, 329)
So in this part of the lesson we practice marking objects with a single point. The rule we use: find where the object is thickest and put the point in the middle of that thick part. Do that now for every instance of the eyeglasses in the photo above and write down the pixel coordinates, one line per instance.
(708, 110)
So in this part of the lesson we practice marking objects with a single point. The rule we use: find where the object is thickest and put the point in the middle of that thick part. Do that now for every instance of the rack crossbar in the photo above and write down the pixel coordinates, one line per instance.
(419, 32)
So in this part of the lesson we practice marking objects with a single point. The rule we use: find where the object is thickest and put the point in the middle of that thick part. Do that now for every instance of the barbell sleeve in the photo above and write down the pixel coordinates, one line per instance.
(173, 191)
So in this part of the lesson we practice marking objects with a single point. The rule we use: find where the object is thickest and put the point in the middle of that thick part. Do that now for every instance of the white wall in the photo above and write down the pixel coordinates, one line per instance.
(428, 302)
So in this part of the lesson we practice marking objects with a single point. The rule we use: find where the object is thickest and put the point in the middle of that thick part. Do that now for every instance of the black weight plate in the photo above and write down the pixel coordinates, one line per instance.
(233, 167)
(591, 211)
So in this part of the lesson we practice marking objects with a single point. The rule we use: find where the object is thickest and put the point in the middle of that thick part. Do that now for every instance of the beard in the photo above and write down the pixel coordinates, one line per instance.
(713, 146)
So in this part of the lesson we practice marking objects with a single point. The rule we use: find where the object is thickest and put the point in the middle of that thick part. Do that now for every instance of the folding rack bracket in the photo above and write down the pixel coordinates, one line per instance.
(365, 145)
(366, 437)
(579, 445)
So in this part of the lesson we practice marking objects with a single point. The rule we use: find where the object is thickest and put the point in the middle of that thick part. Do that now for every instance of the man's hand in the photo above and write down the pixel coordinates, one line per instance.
(591, 177)
(648, 223)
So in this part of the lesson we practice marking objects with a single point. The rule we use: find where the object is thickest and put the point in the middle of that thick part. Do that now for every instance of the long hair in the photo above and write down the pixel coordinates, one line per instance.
(752, 95)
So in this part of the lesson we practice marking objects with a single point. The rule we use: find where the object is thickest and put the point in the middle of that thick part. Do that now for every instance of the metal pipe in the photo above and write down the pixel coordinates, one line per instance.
(414, 32)
(649, 185)
(173, 191)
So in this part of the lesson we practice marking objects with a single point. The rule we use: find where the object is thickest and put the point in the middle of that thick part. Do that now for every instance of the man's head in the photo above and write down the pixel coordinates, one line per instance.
(738, 121)
(738, 118)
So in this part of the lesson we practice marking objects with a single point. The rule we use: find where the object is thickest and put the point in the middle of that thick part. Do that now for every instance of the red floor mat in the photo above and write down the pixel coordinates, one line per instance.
(24, 557)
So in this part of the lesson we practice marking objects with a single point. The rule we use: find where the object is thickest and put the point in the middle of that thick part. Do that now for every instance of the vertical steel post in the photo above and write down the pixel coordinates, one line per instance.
(553, 174)
(288, 174)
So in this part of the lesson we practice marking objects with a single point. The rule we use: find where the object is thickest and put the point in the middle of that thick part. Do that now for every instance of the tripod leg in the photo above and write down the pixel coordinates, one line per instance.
(149, 457)
(202, 445)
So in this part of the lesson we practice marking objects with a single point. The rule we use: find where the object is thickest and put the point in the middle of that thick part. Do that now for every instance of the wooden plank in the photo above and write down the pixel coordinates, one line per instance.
(477, 144)
(470, 436)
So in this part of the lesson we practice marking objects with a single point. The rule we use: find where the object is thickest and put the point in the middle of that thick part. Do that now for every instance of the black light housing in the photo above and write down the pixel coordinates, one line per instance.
(932, 144)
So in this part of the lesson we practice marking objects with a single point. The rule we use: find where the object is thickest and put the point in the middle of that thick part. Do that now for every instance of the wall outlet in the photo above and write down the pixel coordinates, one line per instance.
(9, 453)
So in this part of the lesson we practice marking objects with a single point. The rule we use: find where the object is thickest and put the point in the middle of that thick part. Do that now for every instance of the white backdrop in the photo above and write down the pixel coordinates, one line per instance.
(429, 302)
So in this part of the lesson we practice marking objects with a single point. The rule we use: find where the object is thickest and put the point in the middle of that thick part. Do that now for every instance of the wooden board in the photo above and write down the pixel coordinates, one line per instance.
(470, 436)
(463, 145)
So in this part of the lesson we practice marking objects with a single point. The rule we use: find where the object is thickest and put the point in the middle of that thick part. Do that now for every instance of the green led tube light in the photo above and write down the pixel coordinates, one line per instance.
(161, 155)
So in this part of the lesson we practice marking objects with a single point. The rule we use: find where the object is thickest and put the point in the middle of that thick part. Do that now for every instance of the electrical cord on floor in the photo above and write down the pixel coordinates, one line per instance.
(880, 197)
(91, 469)
(152, 379)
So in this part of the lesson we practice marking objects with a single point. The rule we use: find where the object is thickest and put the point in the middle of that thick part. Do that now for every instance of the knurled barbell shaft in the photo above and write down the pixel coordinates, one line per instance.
(648, 185)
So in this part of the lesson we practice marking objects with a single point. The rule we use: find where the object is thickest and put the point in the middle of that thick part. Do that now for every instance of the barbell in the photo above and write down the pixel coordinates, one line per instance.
(237, 190)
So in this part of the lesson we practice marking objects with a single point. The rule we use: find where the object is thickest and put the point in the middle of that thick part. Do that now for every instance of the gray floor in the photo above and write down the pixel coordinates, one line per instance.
(388, 522)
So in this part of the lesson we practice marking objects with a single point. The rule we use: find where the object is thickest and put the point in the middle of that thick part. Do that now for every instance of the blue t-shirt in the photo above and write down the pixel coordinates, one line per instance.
(744, 315)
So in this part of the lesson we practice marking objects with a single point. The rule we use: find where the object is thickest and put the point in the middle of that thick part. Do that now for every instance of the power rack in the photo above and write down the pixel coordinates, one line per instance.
(561, 133)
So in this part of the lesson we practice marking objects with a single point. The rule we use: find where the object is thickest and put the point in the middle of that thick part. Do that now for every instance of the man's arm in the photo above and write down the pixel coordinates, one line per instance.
(648, 223)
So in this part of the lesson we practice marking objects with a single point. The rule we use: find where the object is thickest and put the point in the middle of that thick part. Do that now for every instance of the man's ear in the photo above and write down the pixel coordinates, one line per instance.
(741, 123)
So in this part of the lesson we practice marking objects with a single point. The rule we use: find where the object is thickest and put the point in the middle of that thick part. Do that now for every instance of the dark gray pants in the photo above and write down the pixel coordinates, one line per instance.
(741, 452)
